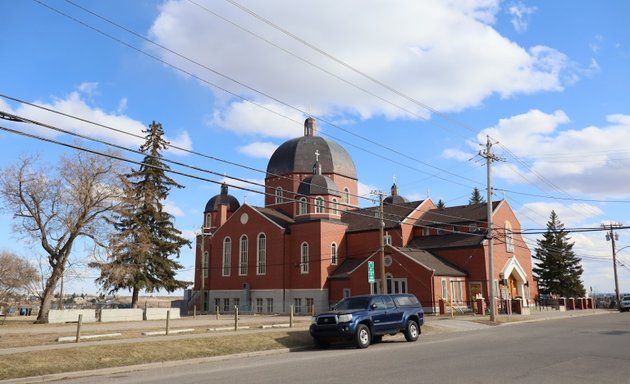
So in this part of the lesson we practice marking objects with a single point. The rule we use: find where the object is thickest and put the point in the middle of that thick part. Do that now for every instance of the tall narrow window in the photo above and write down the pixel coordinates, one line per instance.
(304, 259)
(261, 259)
(204, 269)
(227, 257)
(242, 264)
(208, 220)
(444, 289)
(346, 197)
(319, 204)
(335, 206)
(333, 254)
(279, 195)
(509, 240)
(303, 206)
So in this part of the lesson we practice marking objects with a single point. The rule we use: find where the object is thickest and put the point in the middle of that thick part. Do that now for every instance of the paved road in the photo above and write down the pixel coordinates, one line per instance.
(570, 350)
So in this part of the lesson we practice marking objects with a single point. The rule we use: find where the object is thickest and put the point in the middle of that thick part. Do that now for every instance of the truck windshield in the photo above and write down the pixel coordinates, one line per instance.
(352, 303)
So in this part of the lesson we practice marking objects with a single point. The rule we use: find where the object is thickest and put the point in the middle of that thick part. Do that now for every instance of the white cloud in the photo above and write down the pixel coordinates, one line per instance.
(445, 54)
(75, 105)
(122, 106)
(520, 15)
(592, 161)
(457, 154)
(259, 149)
(248, 119)
(172, 208)
(571, 215)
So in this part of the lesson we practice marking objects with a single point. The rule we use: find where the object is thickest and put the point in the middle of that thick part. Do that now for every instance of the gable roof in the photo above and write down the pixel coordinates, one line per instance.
(451, 240)
(432, 262)
(366, 219)
(457, 214)
(277, 217)
(345, 269)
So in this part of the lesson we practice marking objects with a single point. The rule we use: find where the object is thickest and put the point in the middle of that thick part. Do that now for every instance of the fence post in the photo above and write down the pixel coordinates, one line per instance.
(78, 339)
(291, 316)
(235, 318)
(168, 319)
(194, 311)
(217, 311)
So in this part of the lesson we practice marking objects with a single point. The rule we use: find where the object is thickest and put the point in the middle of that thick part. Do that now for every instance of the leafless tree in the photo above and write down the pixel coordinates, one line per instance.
(54, 206)
(17, 276)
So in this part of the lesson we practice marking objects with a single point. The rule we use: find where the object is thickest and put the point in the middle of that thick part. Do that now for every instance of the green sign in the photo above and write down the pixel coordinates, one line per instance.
(371, 272)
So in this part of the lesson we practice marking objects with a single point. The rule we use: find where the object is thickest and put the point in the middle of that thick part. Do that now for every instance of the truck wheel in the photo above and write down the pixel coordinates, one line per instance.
(362, 337)
(412, 331)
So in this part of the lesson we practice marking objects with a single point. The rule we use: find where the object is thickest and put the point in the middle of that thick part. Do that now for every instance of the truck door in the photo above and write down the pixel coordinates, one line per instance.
(378, 313)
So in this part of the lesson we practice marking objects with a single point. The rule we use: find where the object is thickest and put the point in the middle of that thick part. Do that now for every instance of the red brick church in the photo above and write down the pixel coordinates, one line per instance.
(310, 244)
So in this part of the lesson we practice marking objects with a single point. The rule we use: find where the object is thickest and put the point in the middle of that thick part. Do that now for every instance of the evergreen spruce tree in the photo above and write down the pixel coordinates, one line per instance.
(475, 197)
(141, 250)
(440, 204)
(557, 268)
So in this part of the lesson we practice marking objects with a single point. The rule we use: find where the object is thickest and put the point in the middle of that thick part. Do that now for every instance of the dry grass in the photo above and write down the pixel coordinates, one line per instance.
(104, 356)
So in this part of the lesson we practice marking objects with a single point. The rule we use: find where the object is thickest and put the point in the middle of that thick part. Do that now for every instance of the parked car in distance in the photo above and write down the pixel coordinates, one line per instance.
(366, 319)
(624, 304)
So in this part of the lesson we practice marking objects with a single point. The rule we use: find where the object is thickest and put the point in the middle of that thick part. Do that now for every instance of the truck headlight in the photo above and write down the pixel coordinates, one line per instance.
(345, 318)
(313, 320)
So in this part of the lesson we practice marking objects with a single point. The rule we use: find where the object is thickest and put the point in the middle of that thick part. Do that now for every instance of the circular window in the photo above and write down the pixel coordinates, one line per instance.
(244, 218)
(388, 260)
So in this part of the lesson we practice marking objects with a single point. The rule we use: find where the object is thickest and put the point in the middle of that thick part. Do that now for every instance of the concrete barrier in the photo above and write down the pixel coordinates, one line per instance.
(124, 314)
(71, 315)
(160, 313)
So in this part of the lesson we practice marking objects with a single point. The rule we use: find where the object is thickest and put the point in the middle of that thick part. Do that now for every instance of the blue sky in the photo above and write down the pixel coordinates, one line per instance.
(547, 80)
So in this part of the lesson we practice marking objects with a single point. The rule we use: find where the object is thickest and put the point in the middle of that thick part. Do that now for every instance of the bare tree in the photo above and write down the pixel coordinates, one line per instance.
(17, 276)
(56, 205)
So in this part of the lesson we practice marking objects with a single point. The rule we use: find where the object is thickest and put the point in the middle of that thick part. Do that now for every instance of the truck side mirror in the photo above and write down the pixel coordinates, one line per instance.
(373, 307)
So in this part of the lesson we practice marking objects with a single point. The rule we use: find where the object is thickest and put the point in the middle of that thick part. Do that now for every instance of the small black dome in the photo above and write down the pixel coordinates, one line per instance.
(395, 200)
(223, 198)
(318, 185)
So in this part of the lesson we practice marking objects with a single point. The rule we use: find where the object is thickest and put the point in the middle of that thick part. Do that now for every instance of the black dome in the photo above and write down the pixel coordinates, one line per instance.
(297, 155)
(318, 185)
(223, 198)
(395, 200)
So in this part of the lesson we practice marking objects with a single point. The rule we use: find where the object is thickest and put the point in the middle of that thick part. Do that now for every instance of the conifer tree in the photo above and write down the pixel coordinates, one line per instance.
(557, 268)
(142, 248)
(440, 204)
(475, 197)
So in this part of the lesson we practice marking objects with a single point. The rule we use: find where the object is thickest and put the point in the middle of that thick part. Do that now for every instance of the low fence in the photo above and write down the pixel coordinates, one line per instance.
(111, 315)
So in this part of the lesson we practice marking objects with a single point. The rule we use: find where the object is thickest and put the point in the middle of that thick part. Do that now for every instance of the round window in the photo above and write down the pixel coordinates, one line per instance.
(388, 260)
(244, 218)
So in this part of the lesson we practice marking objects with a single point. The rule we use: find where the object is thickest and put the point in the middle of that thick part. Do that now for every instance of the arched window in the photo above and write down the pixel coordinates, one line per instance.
(319, 204)
(304, 259)
(302, 206)
(242, 262)
(346, 197)
(335, 206)
(509, 239)
(261, 259)
(208, 220)
(227, 257)
(279, 195)
(333, 254)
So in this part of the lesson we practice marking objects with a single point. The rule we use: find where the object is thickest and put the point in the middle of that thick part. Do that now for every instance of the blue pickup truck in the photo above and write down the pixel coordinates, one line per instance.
(366, 319)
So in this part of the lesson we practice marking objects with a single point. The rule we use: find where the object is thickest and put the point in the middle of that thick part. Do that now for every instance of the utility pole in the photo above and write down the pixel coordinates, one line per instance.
(382, 242)
(612, 236)
(490, 157)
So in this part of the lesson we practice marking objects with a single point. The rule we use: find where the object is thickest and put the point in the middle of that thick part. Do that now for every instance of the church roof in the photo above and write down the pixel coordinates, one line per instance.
(450, 240)
(431, 261)
(457, 214)
(366, 219)
(318, 185)
(277, 217)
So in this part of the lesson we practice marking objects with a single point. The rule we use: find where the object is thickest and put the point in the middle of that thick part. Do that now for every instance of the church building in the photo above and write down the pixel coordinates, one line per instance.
(311, 244)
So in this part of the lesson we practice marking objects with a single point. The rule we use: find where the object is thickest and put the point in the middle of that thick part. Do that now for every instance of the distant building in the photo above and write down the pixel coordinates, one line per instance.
(310, 244)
